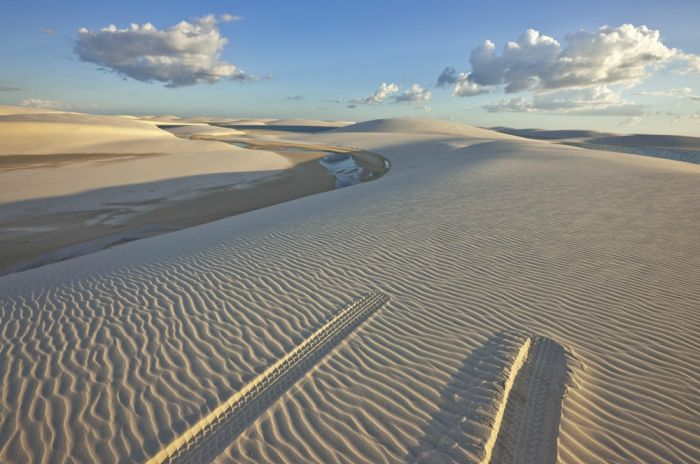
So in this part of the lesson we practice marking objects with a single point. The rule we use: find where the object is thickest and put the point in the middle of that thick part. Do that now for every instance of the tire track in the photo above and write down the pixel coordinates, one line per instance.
(530, 427)
(206, 439)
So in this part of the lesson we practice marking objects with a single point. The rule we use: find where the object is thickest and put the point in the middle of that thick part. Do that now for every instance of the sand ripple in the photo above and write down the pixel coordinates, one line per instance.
(109, 357)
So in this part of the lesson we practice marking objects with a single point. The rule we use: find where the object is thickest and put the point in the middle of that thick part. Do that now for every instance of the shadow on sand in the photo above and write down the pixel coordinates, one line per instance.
(481, 420)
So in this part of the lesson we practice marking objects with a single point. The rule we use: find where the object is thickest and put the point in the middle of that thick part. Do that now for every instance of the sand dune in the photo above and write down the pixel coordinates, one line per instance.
(649, 140)
(10, 109)
(507, 262)
(252, 121)
(76, 134)
(202, 129)
(421, 126)
(307, 122)
(677, 142)
(61, 133)
(67, 178)
(543, 134)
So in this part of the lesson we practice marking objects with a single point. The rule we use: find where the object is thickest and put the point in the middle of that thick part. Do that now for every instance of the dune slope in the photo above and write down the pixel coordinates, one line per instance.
(111, 356)
(422, 126)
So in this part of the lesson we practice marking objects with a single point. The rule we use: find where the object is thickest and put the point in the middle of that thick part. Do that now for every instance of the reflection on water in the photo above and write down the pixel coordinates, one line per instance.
(344, 168)
(240, 144)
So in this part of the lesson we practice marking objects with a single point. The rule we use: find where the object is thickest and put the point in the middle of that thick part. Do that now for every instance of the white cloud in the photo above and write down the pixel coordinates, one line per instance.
(611, 55)
(513, 105)
(229, 18)
(594, 101)
(681, 92)
(463, 87)
(184, 54)
(416, 94)
(693, 62)
(47, 30)
(383, 91)
(466, 88)
(53, 104)
(447, 77)
(684, 117)
(630, 122)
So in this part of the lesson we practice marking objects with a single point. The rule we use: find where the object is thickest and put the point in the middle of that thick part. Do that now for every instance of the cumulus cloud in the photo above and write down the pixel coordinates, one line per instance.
(466, 88)
(596, 101)
(513, 105)
(448, 76)
(463, 86)
(611, 55)
(296, 97)
(416, 94)
(187, 53)
(47, 30)
(382, 93)
(693, 62)
(53, 104)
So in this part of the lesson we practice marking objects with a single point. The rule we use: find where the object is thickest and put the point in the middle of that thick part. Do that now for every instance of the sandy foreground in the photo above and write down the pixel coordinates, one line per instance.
(542, 306)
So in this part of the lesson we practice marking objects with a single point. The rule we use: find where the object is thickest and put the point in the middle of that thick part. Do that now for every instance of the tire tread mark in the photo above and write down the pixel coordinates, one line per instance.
(214, 432)
(530, 428)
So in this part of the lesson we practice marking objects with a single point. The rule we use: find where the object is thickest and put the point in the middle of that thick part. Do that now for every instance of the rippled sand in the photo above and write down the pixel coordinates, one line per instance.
(486, 245)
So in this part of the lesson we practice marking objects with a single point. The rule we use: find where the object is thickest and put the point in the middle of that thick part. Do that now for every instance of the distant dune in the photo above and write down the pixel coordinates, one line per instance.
(9, 109)
(63, 133)
(306, 122)
(201, 129)
(649, 140)
(421, 126)
(677, 142)
(542, 134)
(69, 178)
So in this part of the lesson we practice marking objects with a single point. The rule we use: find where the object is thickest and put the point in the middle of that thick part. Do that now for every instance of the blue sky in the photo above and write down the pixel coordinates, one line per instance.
(334, 55)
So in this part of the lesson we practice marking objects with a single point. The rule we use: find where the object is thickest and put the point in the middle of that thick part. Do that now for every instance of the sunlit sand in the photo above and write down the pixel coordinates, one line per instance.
(524, 300)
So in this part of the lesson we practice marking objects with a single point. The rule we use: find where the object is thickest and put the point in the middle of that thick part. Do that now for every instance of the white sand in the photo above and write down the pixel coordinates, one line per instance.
(202, 129)
(673, 142)
(421, 126)
(307, 122)
(60, 164)
(60, 133)
(111, 356)
(165, 157)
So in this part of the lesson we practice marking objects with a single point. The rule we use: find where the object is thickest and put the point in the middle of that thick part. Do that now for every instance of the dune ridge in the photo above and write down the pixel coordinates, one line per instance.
(421, 126)
(469, 242)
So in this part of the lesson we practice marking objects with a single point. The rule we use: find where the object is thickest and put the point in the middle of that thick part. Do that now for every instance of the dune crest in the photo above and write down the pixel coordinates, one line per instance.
(422, 126)
(111, 356)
